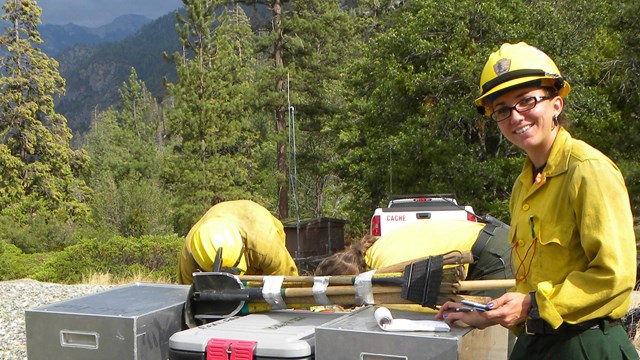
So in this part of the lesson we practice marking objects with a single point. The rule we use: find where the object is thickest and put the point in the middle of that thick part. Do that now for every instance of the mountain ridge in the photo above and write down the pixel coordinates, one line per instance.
(58, 38)
(95, 72)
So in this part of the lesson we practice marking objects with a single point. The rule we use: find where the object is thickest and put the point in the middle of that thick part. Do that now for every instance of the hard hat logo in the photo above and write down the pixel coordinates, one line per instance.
(502, 66)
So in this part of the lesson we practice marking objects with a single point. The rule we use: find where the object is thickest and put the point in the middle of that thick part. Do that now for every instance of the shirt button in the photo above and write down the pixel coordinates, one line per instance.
(520, 243)
(525, 207)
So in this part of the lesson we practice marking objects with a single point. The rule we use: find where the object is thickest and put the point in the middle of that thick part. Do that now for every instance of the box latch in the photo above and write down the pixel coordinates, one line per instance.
(224, 349)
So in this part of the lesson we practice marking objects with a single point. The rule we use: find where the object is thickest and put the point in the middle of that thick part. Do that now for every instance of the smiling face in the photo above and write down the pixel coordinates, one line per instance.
(532, 130)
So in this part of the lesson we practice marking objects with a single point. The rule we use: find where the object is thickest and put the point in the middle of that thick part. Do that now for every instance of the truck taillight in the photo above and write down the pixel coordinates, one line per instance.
(470, 217)
(375, 226)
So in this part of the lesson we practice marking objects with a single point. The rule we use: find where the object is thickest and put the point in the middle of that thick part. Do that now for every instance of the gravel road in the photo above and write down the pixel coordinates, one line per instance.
(16, 296)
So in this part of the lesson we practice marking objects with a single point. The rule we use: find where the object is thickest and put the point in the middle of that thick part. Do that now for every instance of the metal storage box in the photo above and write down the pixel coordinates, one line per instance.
(279, 334)
(130, 322)
(311, 240)
(314, 237)
(359, 337)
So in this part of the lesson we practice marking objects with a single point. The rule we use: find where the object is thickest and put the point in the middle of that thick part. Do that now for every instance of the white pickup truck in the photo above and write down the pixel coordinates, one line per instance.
(403, 209)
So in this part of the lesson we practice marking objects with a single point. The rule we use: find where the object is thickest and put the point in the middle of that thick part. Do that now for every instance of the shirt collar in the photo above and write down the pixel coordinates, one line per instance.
(558, 161)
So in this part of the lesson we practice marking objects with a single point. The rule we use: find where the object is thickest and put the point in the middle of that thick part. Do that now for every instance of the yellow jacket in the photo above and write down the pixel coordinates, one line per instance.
(420, 239)
(583, 263)
(263, 236)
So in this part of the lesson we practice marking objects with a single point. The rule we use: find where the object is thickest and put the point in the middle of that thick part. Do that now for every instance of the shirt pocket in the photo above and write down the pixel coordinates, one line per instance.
(559, 234)
(555, 257)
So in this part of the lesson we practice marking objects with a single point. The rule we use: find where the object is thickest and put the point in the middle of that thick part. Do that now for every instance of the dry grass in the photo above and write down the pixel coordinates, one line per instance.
(107, 279)
(634, 334)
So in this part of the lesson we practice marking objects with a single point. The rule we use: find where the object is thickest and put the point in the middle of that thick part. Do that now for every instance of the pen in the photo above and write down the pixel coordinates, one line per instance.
(533, 231)
(475, 305)
(460, 309)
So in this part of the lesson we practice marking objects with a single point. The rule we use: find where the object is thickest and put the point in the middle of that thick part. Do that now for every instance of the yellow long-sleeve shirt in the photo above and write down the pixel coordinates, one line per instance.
(573, 235)
(420, 239)
(263, 236)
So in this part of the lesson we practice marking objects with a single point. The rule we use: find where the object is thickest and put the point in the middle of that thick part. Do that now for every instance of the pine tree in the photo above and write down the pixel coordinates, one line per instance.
(308, 42)
(139, 118)
(139, 110)
(40, 171)
(277, 97)
(209, 124)
(126, 158)
(321, 42)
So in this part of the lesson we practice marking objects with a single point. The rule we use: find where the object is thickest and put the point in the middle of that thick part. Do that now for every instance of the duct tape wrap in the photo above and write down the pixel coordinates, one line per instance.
(320, 284)
(271, 292)
(364, 292)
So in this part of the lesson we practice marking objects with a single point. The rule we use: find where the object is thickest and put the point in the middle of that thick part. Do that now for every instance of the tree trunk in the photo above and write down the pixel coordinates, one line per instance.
(283, 189)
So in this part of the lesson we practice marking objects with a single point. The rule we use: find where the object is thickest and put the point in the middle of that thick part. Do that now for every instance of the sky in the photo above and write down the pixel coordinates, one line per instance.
(94, 13)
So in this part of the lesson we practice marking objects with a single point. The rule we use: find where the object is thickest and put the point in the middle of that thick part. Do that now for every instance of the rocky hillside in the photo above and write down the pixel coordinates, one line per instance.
(95, 73)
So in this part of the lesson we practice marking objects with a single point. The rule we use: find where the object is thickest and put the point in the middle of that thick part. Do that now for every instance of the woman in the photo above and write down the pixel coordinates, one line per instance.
(571, 224)
(248, 238)
(487, 242)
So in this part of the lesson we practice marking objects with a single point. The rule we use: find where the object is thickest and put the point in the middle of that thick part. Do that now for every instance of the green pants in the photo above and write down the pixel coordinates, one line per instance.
(596, 344)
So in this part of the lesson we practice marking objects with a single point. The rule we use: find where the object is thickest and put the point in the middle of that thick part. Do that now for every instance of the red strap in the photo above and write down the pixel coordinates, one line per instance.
(220, 349)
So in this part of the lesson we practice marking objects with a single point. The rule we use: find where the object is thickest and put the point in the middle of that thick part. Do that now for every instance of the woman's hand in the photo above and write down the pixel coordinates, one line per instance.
(508, 310)
(450, 312)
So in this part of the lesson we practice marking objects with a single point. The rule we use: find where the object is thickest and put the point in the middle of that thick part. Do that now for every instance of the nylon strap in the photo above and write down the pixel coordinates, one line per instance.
(483, 239)
(516, 74)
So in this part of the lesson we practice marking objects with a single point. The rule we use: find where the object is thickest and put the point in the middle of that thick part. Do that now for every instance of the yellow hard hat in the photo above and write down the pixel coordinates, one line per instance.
(516, 65)
(209, 237)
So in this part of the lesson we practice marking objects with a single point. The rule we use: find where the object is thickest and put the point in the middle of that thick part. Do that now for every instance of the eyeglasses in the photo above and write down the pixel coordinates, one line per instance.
(521, 106)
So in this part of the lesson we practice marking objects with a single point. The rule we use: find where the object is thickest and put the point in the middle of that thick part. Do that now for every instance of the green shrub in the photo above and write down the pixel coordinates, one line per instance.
(10, 257)
(40, 234)
(118, 256)
(14, 264)
(132, 207)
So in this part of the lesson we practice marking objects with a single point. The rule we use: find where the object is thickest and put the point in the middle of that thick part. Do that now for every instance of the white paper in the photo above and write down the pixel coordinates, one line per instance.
(388, 323)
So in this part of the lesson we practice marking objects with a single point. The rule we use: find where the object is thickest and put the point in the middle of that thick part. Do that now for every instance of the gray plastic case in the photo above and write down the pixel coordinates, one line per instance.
(280, 334)
(132, 322)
